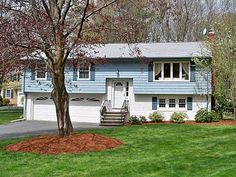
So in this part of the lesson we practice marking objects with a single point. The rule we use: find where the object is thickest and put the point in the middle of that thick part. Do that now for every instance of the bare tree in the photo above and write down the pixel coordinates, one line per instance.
(130, 22)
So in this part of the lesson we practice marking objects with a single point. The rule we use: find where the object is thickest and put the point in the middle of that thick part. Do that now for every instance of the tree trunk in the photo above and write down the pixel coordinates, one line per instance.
(61, 100)
(235, 112)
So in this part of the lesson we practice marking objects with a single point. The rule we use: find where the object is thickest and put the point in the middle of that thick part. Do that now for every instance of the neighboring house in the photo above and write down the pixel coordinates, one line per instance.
(161, 78)
(11, 89)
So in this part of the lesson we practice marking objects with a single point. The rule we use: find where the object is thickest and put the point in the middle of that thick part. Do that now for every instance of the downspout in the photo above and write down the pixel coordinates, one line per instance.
(207, 97)
(25, 95)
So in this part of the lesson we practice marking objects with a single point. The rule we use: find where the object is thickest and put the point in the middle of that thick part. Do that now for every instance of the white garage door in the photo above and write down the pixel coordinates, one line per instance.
(81, 109)
(44, 109)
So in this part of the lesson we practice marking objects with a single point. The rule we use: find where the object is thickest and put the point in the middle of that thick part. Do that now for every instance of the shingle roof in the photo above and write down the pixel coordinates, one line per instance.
(153, 50)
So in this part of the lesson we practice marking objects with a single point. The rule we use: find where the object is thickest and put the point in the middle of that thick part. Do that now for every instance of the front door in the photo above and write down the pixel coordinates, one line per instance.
(119, 94)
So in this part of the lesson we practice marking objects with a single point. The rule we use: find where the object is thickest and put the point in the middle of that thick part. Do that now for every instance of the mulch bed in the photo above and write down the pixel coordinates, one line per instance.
(222, 122)
(73, 144)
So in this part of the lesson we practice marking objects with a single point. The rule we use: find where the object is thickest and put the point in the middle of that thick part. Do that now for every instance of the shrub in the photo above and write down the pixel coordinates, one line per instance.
(204, 116)
(214, 116)
(201, 116)
(178, 117)
(142, 119)
(156, 116)
(0, 100)
(223, 104)
(5, 102)
(228, 116)
(135, 120)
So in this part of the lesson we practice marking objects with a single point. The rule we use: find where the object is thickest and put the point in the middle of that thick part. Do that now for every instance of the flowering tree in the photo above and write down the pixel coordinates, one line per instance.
(224, 59)
(53, 31)
(8, 55)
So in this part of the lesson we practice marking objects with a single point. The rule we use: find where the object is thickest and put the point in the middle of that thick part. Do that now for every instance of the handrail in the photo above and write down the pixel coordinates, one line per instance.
(125, 109)
(106, 104)
(107, 107)
(102, 106)
(125, 106)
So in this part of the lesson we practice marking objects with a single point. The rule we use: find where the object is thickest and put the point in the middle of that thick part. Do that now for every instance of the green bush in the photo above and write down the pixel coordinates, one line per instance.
(228, 116)
(201, 116)
(204, 116)
(5, 102)
(156, 116)
(178, 117)
(135, 120)
(214, 116)
(223, 104)
(1, 100)
(142, 119)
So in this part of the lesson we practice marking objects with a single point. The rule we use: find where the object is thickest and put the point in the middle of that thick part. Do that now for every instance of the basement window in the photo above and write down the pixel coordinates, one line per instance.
(162, 103)
(182, 103)
(171, 103)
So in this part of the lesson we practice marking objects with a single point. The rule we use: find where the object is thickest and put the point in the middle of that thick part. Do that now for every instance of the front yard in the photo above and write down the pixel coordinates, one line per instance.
(7, 116)
(149, 150)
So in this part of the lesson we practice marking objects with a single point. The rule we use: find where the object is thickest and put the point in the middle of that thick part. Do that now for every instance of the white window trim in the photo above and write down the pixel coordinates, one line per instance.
(171, 109)
(172, 103)
(185, 104)
(78, 70)
(171, 71)
(11, 92)
(42, 79)
(6, 96)
(159, 103)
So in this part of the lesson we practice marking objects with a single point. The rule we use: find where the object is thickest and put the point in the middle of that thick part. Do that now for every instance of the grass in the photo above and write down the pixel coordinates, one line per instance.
(149, 150)
(6, 117)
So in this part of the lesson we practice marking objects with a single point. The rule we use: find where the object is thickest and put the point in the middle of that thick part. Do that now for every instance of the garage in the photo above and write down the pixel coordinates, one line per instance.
(83, 108)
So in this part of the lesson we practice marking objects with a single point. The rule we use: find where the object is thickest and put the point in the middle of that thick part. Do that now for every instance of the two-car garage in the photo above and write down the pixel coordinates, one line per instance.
(83, 108)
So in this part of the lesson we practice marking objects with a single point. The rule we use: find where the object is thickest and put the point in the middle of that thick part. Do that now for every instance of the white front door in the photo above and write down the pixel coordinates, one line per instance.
(119, 94)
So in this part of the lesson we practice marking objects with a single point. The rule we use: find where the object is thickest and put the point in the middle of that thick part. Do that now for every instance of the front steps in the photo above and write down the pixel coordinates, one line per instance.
(113, 119)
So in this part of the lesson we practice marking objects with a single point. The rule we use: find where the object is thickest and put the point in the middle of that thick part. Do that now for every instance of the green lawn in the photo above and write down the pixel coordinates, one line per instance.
(153, 150)
(6, 117)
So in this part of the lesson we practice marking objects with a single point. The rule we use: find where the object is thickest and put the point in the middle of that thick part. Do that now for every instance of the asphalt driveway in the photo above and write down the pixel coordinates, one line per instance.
(33, 127)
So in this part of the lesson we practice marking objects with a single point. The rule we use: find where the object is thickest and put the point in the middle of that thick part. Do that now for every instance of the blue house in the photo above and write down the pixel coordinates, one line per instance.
(136, 79)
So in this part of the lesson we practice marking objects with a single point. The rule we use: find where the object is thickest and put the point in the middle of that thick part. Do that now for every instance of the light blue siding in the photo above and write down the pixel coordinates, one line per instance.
(135, 70)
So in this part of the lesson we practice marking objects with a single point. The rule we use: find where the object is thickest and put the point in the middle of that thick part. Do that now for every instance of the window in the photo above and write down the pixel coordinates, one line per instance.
(127, 89)
(171, 71)
(42, 98)
(171, 103)
(166, 70)
(77, 99)
(158, 71)
(185, 71)
(9, 93)
(162, 103)
(176, 70)
(83, 72)
(41, 72)
(15, 77)
(182, 103)
(93, 99)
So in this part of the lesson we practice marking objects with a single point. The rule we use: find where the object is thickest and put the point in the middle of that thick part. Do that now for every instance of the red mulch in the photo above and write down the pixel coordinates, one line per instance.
(222, 122)
(73, 144)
